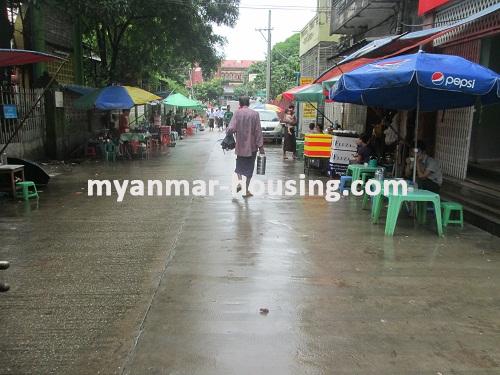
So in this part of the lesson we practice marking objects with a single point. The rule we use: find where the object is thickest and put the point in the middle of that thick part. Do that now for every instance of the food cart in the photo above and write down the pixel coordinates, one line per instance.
(317, 151)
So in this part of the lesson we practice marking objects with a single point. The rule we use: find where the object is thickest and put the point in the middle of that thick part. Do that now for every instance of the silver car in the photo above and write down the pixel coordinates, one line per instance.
(270, 124)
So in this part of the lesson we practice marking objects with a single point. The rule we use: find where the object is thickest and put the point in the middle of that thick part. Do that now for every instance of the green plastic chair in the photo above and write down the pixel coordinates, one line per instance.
(450, 207)
(300, 149)
(28, 190)
(110, 152)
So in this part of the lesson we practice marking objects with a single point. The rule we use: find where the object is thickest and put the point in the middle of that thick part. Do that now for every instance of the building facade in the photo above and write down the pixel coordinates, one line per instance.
(233, 74)
(362, 21)
(316, 47)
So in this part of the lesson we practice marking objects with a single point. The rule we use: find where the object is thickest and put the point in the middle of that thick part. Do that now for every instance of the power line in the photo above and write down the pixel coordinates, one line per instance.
(263, 6)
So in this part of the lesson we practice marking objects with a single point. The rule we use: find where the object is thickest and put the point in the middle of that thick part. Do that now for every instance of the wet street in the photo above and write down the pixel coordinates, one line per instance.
(175, 285)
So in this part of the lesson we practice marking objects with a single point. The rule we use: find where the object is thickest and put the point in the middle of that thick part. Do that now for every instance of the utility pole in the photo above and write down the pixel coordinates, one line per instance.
(268, 70)
(268, 80)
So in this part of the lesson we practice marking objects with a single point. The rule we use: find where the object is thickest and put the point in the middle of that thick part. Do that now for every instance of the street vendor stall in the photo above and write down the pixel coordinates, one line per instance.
(317, 147)
(180, 101)
(116, 98)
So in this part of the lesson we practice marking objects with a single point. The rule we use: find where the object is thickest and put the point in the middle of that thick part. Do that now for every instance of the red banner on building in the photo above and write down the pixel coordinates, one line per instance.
(425, 6)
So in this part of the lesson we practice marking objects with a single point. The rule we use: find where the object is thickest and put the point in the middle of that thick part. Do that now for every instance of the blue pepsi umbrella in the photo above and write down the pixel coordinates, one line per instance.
(421, 81)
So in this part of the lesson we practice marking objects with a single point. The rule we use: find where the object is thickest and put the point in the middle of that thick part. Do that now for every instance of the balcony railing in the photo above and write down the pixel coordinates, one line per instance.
(356, 16)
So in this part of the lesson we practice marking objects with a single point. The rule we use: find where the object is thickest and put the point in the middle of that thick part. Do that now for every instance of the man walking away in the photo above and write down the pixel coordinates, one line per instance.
(249, 139)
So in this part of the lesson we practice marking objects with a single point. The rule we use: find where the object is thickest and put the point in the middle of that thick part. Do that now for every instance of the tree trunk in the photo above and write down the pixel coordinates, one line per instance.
(101, 45)
(115, 41)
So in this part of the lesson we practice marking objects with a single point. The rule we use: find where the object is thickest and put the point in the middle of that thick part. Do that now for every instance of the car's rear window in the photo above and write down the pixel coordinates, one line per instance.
(268, 116)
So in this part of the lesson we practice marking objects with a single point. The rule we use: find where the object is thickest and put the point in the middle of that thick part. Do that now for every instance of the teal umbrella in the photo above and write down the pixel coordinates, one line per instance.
(179, 100)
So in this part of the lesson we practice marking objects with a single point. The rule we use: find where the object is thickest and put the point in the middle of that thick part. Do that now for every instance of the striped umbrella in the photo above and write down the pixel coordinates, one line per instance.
(115, 97)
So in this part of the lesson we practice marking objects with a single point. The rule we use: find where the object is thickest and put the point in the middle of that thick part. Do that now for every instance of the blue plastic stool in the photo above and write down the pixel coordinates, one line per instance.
(343, 182)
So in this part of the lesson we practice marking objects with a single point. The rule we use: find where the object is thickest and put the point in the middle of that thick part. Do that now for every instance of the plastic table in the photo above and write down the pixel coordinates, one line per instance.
(377, 201)
(395, 202)
(12, 169)
(356, 170)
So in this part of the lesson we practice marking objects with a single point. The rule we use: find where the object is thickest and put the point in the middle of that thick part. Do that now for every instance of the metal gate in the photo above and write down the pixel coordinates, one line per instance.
(32, 134)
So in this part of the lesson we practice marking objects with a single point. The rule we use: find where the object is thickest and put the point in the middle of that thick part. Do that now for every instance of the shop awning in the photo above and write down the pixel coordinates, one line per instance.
(305, 93)
(289, 95)
(340, 69)
(15, 57)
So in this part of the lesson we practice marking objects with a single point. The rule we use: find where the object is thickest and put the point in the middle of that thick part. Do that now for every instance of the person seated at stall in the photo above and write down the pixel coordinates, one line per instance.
(429, 174)
(123, 124)
(364, 150)
(312, 127)
(319, 129)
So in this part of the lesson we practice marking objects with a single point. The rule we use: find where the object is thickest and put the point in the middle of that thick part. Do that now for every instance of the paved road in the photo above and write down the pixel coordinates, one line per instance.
(158, 285)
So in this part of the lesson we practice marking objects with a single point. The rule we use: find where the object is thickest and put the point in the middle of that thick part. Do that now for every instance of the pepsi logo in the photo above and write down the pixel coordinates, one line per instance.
(437, 78)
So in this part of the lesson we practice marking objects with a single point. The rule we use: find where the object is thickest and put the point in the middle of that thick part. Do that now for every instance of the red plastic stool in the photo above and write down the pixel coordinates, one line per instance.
(90, 151)
(135, 145)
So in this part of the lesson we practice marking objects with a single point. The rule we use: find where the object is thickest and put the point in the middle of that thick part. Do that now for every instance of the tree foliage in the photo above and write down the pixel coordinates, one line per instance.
(285, 63)
(172, 85)
(137, 38)
(247, 89)
(209, 91)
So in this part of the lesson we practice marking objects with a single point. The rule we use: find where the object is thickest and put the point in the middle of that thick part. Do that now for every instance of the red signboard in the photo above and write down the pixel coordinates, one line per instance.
(426, 5)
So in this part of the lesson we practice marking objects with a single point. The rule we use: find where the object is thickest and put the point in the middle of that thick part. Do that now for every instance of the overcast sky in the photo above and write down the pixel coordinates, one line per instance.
(244, 43)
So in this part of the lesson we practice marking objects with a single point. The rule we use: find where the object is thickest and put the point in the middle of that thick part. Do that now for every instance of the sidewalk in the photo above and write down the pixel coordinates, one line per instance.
(175, 285)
